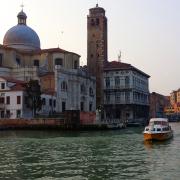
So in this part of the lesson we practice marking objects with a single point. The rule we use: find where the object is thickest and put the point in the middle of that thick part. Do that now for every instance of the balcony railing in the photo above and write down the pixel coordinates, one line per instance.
(125, 102)
(118, 87)
(118, 102)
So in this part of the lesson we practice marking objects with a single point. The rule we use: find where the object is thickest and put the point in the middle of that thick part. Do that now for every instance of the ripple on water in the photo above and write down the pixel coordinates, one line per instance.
(87, 155)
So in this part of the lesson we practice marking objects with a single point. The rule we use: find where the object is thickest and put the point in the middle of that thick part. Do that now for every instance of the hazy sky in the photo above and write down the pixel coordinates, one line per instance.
(146, 31)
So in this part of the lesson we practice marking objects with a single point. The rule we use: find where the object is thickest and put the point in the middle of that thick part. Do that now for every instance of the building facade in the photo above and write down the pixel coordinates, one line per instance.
(126, 93)
(158, 103)
(75, 90)
(173, 110)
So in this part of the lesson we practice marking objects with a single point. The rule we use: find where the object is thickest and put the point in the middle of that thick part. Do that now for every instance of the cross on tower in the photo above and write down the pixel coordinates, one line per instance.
(97, 3)
(22, 6)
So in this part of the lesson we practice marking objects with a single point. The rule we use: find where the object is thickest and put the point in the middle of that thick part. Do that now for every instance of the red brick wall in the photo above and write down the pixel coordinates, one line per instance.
(30, 122)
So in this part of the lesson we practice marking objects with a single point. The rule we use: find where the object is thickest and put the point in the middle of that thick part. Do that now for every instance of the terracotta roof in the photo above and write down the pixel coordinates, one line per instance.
(115, 65)
(10, 79)
(18, 84)
(18, 87)
(53, 50)
(40, 51)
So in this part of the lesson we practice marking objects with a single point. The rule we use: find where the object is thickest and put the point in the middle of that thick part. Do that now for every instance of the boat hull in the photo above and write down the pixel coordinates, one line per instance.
(158, 136)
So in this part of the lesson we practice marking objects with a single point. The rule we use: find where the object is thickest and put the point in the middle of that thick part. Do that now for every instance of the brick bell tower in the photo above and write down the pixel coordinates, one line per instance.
(97, 48)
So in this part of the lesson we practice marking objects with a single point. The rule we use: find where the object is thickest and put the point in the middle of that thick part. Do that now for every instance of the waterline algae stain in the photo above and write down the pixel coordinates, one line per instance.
(120, 154)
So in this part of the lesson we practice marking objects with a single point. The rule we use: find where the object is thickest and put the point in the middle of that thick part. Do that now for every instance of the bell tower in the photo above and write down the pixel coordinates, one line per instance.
(97, 48)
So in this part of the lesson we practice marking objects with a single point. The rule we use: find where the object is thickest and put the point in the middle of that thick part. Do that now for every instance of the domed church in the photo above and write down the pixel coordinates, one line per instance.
(21, 55)
(22, 36)
(57, 70)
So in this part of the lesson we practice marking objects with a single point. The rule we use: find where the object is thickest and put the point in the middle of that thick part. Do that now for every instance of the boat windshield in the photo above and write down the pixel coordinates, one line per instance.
(164, 123)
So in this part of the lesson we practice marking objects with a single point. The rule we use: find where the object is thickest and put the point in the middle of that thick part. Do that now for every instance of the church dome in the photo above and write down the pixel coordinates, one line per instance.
(21, 36)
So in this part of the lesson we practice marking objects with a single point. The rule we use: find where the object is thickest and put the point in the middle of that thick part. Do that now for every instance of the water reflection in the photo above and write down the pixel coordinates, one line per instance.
(156, 144)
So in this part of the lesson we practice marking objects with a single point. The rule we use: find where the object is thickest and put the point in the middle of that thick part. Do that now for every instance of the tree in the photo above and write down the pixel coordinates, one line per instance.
(33, 98)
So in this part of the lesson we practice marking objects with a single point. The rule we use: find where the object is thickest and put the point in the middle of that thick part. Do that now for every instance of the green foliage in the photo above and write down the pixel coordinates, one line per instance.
(33, 98)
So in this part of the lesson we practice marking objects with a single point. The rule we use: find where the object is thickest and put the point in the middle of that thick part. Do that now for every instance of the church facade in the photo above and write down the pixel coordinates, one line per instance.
(57, 70)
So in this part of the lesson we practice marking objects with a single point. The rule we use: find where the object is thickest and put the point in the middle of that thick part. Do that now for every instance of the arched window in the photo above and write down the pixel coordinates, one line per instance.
(97, 21)
(83, 89)
(36, 62)
(64, 86)
(127, 80)
(92, 22)
(59, 61)
(91, 93)
(75, 64)
(18, 61)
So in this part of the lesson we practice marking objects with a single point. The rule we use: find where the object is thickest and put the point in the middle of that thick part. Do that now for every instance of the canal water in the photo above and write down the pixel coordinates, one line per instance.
(111, 155)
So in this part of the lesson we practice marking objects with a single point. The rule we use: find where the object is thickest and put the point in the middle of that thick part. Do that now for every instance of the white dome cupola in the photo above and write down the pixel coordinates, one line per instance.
(22, 36)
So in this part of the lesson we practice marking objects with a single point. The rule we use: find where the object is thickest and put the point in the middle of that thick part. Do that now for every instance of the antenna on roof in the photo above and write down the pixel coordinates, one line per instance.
(119, 56)
(61, 36)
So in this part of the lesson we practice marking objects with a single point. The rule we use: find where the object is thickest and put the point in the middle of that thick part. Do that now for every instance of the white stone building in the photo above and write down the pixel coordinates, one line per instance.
(13, 100)
(126, 92)
(48, 104)
(75, 90)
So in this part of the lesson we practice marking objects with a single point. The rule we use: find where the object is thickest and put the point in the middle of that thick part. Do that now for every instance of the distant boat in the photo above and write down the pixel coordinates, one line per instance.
(115, 125)
(158, 129)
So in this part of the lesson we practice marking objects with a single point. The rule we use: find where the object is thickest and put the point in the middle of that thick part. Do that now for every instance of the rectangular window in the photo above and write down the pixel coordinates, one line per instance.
(50, 102)
(18, 99)
(2, 114)
(36, 62)
(44, 101)
(18, 113)
(118, 97)
(18, 61)
(1, 100)
(58, 61)
(90, 106)
(54, 103)
(127, 96)
(107, 82)
(127, 81)
(82, 106)
(117, 81)
(8, 113)
(63, 106)
(7, 99)
(2, 85)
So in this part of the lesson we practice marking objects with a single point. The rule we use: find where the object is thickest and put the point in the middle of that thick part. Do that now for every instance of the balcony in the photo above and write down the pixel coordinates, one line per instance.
(118, 102)
(118, 87)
